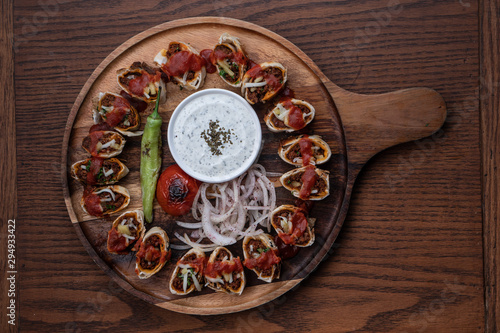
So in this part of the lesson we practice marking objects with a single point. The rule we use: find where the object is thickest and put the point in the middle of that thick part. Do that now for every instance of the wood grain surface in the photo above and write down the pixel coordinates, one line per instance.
(490, 158)
(8, 187)
(410, 255)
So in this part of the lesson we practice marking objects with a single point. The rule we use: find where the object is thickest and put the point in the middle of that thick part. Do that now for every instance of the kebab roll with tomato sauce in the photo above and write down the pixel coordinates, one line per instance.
(289, 115)
(153, 253)
(105, 200)
(183, 64)
(125, 232)
(104, 144)
(261, 256)
(304, 150)
(117, 112)
(307, 183)
(188, 273)
(143, 82)
(230, 60)
(99, 171)
(292, 226)
(224, 272)
(262, 82)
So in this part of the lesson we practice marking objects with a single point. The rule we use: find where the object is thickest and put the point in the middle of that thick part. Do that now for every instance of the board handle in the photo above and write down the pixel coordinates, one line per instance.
(373, 123)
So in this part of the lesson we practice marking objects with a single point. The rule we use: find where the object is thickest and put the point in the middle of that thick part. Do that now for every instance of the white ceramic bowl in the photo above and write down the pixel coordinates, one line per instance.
(214, 135)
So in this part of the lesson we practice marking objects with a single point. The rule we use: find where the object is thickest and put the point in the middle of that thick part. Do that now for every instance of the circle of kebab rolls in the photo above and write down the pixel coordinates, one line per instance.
(307, 183)
(103, 143)
(117, 112)
(125, 232)
(230, 60)
(153, 253)
(142, 81)
(183, 64)
(304, 149)
(262, 82)
(289, 115)
(224, 272)
(292, 226)
(188, 273)
(100, 201)
(261, 256)
(98, 171)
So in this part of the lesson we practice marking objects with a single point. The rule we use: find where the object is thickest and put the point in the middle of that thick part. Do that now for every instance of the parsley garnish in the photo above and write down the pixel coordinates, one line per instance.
(222, 72)
(260, 250)
(110, 207)
(181, 87)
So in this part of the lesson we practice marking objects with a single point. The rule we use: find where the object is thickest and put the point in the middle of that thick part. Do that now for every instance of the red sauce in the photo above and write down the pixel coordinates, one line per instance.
(216, 268)
(255, 70)
(198, 264)
(92, 204)
(116, 243)
(136, 103)
(308, 179)
(208, 56)
(151, 254)
(299, 225)
(183, 61)
(251, 64)
(100, 127)
(137, 85)
(120, 108)
(286, 251)
(306, 150)
(265, 261)
(295, 117)
(95, 167)
(94, 139)
(287, 93)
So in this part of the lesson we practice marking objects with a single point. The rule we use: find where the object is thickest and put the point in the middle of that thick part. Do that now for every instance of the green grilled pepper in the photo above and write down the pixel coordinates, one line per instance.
(150, 160)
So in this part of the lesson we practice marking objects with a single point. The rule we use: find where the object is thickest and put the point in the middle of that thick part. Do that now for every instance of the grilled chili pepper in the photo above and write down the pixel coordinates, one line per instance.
(150, 160)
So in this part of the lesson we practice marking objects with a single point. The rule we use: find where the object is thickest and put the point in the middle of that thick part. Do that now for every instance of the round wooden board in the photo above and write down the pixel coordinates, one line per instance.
(309, 84)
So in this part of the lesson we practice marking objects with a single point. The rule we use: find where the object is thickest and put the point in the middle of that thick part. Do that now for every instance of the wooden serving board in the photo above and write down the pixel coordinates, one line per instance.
(355, 126)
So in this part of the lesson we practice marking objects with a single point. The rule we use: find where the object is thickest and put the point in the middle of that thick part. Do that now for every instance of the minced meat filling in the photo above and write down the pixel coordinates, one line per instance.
(101, 178)
(111, 205)
(144, 66)
(156, 242)
(173, 48)
(295, 152)
(224, 49)
(235, 285)
(105, 138)
(127, 77)
(190, 76)
(256, 244)
(259, 93)
(221, 255)
(319, 185)
(108, 100)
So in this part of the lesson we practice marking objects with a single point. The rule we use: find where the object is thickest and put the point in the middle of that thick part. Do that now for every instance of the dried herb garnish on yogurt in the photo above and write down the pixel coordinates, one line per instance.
(216, 137)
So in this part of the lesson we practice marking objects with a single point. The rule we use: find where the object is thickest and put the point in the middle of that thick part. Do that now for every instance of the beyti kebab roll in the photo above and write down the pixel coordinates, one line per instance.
(125, 232)
(153, 253)
(261, 256)
(224, 272)
(99, 171)
(292, 226)
(230, 60)
(183, 64)
(103, 144)
(289, 115)
(142, 81)
(117, 112)
(106, 200)
(188, 274)
(304, 150)
(262, 82)
(307, 183)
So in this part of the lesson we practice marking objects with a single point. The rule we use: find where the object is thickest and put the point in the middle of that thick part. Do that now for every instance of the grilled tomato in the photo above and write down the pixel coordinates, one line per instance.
(176, 191)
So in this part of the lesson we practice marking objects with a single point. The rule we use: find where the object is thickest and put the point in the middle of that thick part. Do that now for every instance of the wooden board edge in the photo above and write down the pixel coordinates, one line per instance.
(9, 284)
(190, 305)
(490, 157)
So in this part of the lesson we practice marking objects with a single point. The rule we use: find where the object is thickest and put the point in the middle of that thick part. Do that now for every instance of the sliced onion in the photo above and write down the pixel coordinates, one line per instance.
(107, 190)
(108, 173)
(255, 84)
(195, 281)
(108, 144)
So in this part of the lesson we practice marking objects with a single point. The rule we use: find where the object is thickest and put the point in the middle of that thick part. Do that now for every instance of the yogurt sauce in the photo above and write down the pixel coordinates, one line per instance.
(214, 135)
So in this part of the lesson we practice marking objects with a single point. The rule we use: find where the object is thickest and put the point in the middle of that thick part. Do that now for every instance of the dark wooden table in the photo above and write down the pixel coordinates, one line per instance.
(418, 251)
